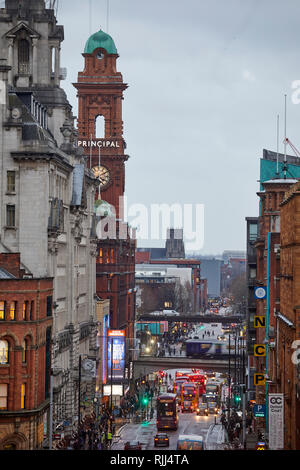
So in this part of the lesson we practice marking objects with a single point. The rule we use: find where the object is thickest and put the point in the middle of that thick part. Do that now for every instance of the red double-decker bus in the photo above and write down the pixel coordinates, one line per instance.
(198, 379)
(189, 396)
(166, 412)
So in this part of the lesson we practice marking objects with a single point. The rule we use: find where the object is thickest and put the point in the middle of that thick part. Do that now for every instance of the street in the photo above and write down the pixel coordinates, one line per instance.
(189, 423)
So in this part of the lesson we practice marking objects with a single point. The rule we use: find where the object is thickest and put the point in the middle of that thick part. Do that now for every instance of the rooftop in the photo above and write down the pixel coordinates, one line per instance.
(100, 39)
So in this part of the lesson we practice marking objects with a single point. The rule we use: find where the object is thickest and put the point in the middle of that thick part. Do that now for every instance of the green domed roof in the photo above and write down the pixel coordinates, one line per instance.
(103, 209)
(100, 39)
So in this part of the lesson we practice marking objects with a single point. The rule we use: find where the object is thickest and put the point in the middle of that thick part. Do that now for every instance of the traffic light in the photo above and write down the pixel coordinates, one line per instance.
(237, 398)
(145, 400)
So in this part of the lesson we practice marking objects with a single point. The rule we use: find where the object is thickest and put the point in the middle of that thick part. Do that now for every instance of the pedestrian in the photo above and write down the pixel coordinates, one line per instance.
(109, 439)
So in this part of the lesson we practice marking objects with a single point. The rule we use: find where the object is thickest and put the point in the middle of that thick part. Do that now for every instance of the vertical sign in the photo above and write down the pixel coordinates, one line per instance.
(276, 418)
(105, 327)
(116, 355)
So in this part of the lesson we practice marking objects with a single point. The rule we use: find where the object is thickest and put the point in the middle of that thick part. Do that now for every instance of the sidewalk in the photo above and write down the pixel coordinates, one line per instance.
(141, 433)
(216, 438)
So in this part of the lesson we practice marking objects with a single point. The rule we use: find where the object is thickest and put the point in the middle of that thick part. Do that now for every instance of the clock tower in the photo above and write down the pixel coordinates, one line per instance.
(100, 93)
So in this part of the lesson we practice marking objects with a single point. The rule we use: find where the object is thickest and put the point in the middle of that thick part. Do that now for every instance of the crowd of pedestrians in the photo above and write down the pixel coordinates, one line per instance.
(96, 434)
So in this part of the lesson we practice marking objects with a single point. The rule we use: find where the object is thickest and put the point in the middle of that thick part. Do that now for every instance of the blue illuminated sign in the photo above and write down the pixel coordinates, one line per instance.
(116, 355)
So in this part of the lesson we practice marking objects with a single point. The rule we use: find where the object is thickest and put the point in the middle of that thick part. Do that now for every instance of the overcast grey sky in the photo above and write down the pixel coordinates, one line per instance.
(206, 79)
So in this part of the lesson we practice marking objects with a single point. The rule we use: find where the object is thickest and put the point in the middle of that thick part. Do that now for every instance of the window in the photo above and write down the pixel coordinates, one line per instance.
(252, 232)
(4, 352)
(23, 396)
(24, 351)
(23, 55)
(25, 310)
(100, 256)
(49, 306)
(2, 310)
(10, 216)
(252, 273)
(11, 181)
(3, 396)
(100, 127)
(31, 310)
(12, 310)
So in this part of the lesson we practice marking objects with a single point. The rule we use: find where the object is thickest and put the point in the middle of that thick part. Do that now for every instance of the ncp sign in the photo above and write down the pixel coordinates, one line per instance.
(276, 418)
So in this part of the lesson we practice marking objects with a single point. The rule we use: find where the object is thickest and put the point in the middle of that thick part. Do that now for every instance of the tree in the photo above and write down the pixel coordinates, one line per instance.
(237, 290)
(184, 297)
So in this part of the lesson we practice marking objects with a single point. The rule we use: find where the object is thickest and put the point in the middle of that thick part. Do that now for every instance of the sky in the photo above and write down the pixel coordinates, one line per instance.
(207, 79)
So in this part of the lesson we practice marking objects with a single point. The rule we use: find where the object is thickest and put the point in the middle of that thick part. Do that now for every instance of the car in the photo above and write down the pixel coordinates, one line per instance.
(213, 408)
(133, 445)
(202, 410)
(161, 439)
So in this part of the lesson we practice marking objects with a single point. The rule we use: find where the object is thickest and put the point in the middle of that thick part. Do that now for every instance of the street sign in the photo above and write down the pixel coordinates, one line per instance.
(259, 379)
(260, 350)
(260, 293)
(260, 321)
(259, 411)
(276, 419)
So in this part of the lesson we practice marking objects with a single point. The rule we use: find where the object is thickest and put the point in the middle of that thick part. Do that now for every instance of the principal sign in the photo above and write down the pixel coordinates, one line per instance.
(276, 419)
(100, 143)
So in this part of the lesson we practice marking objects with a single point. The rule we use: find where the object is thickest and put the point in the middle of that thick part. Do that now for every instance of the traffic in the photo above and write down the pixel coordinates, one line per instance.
(187, 408)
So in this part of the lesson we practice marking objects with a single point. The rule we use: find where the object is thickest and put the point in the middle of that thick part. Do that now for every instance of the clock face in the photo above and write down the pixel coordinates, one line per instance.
(103, 174)
(88, 365)
(16, 113)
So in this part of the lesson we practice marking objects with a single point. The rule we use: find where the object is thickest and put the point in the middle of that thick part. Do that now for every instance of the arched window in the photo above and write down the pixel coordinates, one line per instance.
(100, 127)
(24, 56)
(4, 352)
(2, 310)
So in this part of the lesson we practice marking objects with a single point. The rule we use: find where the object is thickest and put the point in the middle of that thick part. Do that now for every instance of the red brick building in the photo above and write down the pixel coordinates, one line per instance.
(287, 373)
(100, 93)
(25, 355)
(268, 248)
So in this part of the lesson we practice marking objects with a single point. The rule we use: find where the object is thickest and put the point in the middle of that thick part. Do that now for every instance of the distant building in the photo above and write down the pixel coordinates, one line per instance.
(211, 270)
(175, 244)
(156, 288)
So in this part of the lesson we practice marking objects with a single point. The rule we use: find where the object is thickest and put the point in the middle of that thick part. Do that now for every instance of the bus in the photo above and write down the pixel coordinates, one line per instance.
(198, 379)
(189, 397)
(177, 384)
(166, 412)
(190, 442)
(180, 373)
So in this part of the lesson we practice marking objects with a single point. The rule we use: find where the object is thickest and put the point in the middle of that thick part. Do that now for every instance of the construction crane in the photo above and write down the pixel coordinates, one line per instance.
(295, 150)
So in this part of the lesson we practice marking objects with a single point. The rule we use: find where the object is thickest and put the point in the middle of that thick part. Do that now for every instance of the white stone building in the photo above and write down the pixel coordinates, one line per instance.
(46, 191)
